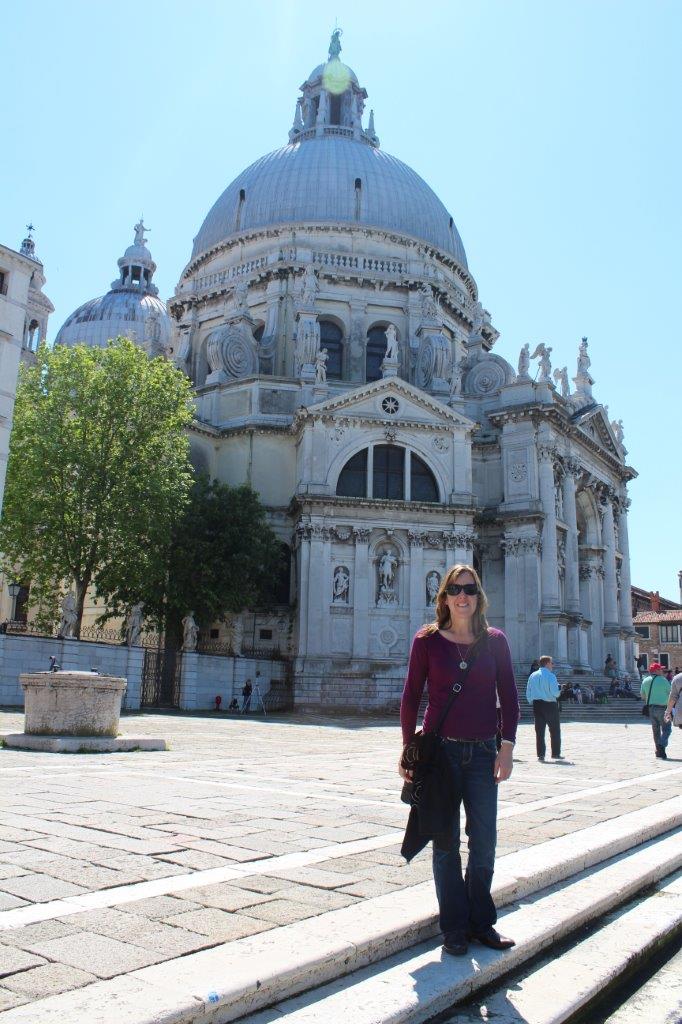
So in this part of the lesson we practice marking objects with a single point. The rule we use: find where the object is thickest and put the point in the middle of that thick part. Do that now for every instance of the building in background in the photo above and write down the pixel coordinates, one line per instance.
(344, 367)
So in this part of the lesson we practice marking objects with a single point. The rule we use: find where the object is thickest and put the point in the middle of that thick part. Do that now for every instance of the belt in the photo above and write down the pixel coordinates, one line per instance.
(459, 739)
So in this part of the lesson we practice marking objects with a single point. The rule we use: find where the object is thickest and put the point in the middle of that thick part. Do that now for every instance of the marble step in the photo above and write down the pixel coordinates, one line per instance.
(421, 983)
(233, 979)
(660, 999)
(558, 988)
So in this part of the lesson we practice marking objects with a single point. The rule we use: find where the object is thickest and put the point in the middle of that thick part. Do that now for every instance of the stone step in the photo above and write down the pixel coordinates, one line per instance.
(416, 985)
(660, 999)
(580, 976)
(237, 978)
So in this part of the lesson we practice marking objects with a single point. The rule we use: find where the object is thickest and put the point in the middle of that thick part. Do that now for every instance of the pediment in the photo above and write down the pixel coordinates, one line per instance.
(389, 398)
(593, 423)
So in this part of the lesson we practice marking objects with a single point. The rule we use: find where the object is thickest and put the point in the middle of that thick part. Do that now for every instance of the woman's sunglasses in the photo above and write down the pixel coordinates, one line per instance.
(453, 589)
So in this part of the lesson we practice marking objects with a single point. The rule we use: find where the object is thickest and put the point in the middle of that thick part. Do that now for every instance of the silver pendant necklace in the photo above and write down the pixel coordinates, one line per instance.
(463, 664)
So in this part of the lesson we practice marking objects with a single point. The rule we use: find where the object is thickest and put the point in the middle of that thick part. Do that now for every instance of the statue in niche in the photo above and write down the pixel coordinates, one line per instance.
(133, 625)
(307, 111)
(584, 361)
(139, 232)
(561, 377)
(69, 618)
(524, 360)
(432, 587)
(559, 501)
(310, 287)
(543, 352)
(340, 585)
(386, 569)
(190, 633)
(321, 366)
(391, 344)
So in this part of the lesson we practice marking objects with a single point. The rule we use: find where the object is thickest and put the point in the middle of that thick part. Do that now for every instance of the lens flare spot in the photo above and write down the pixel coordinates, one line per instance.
(336, 77)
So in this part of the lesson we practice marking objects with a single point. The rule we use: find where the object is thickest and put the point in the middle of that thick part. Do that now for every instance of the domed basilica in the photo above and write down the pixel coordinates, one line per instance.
(344, 368)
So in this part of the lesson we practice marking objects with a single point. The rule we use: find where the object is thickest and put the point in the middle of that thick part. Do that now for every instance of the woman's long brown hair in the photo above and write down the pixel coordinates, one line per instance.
(479, 623)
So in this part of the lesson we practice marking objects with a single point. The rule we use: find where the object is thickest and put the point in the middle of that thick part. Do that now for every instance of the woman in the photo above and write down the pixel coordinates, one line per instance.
(460, 641)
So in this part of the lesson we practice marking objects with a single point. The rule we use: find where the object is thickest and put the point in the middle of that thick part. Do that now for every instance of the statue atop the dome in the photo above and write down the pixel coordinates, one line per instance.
(391, 343)
(321, 367)
(139, 232)
(335, 44)
(241, 299)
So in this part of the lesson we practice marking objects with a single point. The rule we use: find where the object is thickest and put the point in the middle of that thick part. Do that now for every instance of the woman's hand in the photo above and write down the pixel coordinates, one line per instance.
(403, 772)
(504, 763)
(668, 715)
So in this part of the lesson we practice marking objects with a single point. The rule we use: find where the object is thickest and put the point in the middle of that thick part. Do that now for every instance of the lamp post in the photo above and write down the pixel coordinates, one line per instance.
(13, 589)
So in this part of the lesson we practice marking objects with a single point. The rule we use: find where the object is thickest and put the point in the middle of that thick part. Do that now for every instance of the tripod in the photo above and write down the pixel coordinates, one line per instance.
(259, 699)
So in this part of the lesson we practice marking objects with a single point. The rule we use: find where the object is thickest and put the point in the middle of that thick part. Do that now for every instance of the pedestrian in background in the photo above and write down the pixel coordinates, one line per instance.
(655, 693)
(673, 711)
(542, 692)
(247, 690)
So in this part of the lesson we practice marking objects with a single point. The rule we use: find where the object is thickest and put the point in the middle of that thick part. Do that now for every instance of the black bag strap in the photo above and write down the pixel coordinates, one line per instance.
(457, 686)
(651, 687)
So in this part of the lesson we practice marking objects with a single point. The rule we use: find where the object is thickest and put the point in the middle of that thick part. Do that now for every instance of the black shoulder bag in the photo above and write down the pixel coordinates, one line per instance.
(645, 709)
(422, 748)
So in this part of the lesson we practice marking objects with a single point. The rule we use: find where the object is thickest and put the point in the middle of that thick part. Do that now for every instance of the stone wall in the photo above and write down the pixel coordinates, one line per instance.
(32, 654)
(205, 676)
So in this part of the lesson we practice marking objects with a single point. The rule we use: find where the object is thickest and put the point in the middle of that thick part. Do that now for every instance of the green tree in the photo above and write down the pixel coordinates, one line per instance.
(224, 557)
(98, 472)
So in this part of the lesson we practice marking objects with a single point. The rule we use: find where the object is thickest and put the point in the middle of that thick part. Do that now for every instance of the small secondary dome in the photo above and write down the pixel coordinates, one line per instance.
(332, 171)
(131, 308)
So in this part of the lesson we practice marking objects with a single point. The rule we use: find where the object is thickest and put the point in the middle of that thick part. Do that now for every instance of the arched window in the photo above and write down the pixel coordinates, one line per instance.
(388, 478)
(396, 474)
(375, 352)
(423, 485)
(331, 338)
(353, 479)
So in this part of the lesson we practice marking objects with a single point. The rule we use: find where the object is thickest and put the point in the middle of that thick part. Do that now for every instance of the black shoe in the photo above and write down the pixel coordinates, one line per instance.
(660, 752)
(541, 759)
(455, 945)
(558, 757)
(492, 939)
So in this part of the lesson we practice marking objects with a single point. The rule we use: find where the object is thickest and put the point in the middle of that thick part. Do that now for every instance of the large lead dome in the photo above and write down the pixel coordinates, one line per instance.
(331, 172)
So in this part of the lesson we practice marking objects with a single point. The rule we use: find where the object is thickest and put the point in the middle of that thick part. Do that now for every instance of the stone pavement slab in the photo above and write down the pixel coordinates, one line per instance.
(313, 827)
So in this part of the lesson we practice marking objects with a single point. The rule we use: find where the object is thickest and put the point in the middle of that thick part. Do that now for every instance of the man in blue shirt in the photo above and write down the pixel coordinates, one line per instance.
(542, 692)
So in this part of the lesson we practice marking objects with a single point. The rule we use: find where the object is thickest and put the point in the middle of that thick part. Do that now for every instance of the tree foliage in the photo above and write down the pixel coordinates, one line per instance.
(224, 557)
(98, 472)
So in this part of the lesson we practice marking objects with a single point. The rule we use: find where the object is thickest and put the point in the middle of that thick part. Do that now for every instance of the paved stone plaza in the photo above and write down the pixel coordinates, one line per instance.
(110, 863)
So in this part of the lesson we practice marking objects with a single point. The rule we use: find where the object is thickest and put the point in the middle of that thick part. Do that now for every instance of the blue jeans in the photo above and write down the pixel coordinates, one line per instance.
(465, 903)
(660, 729)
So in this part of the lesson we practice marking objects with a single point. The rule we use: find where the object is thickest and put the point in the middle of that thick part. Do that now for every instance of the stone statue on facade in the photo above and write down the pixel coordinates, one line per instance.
(387, 566)
(309, 288)
(584, 361)
(241, 299)
(139, 232)
(190, 633)
(542, 352)
(617, 427)
(524, 360)
(133, 625)
(456, 374)
(321, 367)
(323, 108)
(429, 304)
(432, 587)
(561, 377)
(69, 618)
(340, 585)
(391, 343)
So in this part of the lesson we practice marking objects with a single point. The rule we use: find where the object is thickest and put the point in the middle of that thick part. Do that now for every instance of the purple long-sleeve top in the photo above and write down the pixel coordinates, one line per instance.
(434, 661)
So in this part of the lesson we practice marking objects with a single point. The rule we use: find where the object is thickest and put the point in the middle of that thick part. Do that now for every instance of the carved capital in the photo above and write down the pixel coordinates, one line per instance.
(416, 538)
(361, 534)
(547, 452)
(342, 534)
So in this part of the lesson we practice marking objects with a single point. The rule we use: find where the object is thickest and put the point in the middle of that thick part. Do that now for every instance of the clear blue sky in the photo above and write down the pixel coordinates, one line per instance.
(550, 131)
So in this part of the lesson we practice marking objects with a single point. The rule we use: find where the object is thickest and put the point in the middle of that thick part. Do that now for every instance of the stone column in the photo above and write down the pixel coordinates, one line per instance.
(417, 584)
(318, 604)
(303, 534)
(549, 562)
(522, 581)
(625, 583)
(361, 593)
(571, 579)
(610, 583)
